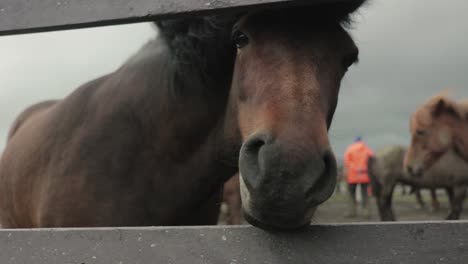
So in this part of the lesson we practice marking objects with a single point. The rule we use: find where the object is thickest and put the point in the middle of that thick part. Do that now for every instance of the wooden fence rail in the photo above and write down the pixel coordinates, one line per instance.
(28, 16)
(434, 242)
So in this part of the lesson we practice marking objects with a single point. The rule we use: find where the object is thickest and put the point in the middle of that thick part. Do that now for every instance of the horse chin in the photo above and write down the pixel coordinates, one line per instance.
(267, 216)
(277, 226)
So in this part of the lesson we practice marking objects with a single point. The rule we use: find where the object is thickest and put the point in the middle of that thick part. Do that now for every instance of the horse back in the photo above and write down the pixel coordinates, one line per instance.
(36, 152)
(28, 113)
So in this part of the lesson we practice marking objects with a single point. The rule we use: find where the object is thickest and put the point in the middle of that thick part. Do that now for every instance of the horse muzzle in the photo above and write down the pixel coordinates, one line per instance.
(279, 188)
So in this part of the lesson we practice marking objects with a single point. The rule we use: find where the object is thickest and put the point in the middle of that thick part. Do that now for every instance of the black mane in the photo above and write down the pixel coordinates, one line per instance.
(200, 45)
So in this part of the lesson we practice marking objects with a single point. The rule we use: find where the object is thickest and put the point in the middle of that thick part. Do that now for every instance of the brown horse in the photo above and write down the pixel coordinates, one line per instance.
(386, 170)
(437, 126)
(232, 201)
(153, 142)
(28, 113)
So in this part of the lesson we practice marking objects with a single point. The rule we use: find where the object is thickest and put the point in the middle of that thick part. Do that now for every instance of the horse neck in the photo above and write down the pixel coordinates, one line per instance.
(459, 129)
(180, 95)
(460, 133)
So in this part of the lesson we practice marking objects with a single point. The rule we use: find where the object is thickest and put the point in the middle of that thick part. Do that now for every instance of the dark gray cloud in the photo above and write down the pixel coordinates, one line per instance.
(50, 65)
(409, 50)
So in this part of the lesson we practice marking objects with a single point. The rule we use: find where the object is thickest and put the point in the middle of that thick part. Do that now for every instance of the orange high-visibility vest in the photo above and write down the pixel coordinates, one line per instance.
(355, 160)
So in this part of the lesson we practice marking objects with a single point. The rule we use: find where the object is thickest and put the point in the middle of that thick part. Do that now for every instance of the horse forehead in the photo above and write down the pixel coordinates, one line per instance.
(421, 118)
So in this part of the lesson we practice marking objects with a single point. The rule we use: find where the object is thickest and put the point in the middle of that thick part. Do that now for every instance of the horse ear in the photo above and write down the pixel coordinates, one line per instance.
(442, 106)
(346, 9)
(355, 5)
(439, 107)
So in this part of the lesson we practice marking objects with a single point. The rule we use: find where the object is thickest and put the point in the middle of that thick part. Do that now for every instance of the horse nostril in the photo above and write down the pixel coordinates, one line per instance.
(253, 145)
(410, 170)
(330, 164)
(325, 181)
(329, 170)
(249, 161)
(415, 172)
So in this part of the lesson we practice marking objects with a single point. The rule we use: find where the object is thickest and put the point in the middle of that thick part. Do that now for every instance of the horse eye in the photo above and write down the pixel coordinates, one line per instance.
(240, 39)
(420, 133)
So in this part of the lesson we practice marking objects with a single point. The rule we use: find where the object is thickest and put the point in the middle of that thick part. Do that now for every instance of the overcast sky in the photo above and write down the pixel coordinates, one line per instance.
(409, 50)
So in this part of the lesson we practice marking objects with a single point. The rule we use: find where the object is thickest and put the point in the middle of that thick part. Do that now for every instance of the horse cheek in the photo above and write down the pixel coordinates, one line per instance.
(445, 138)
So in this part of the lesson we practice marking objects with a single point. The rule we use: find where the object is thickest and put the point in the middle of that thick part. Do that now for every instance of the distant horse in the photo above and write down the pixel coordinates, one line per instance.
(386, 169)
(232, 201)
(434, 201)
(437, 126)
(153, 142)
(417, 192)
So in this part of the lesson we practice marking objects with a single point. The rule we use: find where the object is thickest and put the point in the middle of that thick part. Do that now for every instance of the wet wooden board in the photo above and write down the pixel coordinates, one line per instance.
(436, 242)
(28, 16)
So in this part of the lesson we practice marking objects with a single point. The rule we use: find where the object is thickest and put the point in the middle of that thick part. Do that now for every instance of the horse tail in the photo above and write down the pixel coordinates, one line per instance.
(371, 169)
(26, 114)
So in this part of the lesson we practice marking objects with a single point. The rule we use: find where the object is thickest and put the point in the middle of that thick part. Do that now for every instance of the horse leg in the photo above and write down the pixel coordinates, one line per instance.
(419, 199)
(456, 196)
(403, 190)
(384, 203)
(435, 202)
(450, 196)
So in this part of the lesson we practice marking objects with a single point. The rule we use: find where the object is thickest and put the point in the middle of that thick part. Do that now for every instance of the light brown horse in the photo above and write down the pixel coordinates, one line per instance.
(437, 126)
(386, 170)
(27, 114)
(153, 142)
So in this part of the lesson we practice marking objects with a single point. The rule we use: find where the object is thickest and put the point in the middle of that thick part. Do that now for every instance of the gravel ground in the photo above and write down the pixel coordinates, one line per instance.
(405, 208)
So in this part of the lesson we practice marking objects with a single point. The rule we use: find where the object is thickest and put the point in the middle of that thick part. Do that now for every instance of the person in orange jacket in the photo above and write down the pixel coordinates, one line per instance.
(355, 164)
